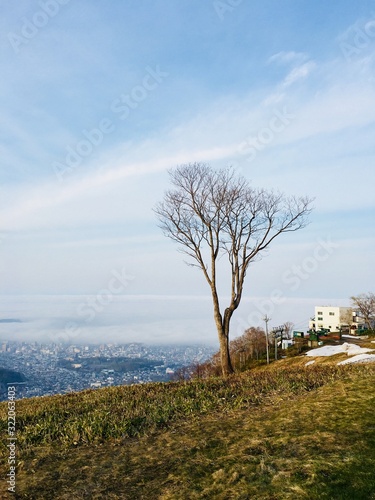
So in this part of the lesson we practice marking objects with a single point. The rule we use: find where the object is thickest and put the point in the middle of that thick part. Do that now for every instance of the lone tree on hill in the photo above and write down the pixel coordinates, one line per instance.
(211, 213)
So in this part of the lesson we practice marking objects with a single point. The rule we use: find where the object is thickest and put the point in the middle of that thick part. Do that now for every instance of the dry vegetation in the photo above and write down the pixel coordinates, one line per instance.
(282, 432)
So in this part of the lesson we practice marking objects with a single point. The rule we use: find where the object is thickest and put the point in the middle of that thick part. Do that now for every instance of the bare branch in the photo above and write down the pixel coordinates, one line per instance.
(210, 213)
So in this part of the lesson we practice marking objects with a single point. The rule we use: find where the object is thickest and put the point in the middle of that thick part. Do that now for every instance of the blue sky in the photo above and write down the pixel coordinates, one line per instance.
(98, 100)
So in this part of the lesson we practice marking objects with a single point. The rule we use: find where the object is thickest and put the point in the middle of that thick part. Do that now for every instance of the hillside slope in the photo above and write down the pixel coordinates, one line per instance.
(274, 434)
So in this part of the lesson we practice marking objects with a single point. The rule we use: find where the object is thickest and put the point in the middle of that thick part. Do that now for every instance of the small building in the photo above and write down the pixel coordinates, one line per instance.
(336, 318)
(286, 343)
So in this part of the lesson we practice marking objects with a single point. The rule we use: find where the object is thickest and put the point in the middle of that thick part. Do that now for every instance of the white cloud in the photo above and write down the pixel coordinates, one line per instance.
(214, 136)
(285, 57)
(298, 73)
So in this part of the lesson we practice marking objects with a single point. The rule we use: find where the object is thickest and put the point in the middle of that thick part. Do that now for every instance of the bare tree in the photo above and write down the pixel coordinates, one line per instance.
(182, 374)
(365, 303)
(346, 320)
(213, 212)
(255, 340)
(288, 329)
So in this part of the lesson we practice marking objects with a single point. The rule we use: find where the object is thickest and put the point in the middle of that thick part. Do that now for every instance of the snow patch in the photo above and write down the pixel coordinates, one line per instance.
(331, 350)
(310, 362)
(360, 358)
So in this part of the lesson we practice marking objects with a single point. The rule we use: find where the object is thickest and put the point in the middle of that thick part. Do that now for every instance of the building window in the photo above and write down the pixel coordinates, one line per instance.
(331, 314)
(320, 318)
(320, 313)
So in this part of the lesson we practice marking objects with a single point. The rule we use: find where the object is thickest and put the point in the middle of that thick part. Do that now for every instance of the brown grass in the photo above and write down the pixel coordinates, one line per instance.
(314, 444)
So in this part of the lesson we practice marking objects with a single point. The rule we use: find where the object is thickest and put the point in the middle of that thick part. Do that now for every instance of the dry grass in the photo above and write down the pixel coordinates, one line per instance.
(313, 440)
(95, 416)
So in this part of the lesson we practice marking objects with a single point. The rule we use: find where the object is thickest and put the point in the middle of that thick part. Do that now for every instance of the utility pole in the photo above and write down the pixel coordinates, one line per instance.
(275, 347)
(266, 319)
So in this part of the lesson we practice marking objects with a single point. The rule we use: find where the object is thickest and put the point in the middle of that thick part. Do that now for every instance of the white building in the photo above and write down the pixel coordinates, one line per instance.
(286, 343)
(332, 318)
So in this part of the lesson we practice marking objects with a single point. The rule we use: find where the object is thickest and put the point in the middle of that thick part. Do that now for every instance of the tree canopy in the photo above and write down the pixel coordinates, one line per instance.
(211, 213)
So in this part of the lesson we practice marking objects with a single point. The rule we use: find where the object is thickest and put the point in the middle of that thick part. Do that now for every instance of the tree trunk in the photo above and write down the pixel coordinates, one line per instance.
(222, 325)
(367, 322)
(226, 363)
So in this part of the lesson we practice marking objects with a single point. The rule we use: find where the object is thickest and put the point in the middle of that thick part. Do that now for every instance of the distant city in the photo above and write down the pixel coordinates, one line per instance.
(46, 369)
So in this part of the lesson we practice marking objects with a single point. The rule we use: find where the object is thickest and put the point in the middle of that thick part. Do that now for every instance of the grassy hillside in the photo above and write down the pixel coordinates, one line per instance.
(282, 432)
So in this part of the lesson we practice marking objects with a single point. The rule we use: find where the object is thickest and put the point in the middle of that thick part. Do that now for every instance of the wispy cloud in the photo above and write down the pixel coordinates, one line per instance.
(226, 85)
(285, 58)
(299, 73)
(213, 135)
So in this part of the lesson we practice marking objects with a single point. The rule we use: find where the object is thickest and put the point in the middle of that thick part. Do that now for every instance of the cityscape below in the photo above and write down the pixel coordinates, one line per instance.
(46, 369)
